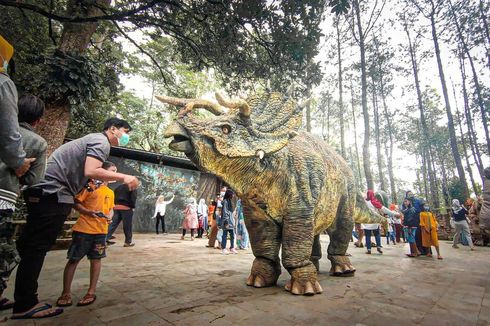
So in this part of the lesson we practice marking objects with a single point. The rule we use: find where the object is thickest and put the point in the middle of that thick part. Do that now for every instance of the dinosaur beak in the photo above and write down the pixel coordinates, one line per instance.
(181, 141)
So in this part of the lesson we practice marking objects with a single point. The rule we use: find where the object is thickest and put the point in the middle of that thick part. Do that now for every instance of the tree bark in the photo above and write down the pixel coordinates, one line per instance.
(308, 116)
(75, 39)
(366, 157)
(379, 158)
(483, 16)
(355, 133)
(341, 102)
(473, 139)
(452, 133)
(481, 102)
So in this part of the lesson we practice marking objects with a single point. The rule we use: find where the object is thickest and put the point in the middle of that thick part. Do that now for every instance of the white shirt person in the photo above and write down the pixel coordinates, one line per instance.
(160, 208)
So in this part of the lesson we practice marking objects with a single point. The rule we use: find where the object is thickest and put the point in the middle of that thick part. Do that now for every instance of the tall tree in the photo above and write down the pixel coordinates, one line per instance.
(360, 37)
(430, 9)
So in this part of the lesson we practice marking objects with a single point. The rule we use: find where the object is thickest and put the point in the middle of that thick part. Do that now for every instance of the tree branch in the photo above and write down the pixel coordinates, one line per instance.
(115, 16)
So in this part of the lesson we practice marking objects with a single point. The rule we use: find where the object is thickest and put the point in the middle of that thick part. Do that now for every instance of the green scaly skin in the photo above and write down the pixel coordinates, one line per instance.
(300, 188)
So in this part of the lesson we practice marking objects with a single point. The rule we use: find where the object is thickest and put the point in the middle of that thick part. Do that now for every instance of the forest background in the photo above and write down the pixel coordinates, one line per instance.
(399, 88)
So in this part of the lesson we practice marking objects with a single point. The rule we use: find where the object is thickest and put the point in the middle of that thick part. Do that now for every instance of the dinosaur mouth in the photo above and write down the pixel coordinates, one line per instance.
(181, 141)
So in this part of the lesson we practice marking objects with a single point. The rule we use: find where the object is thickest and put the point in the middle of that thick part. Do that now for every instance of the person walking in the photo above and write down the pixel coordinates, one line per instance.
(190, 219)
(227, 223)
(160, 209)
(411, 221)
(123, 211)
(461, 225)
(50, 202)
(242, 232)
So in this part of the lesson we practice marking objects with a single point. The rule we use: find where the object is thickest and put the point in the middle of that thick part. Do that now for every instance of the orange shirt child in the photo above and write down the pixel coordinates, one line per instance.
(100, 199)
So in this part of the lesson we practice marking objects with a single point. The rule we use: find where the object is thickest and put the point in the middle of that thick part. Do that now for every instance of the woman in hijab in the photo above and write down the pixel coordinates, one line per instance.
(160, 208)
(190, 218)
(202, 216)
(227, 223)
(460, 224)
(374, 228)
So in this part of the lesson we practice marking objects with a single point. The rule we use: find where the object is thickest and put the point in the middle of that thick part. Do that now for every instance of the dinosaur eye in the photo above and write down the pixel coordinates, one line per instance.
(226, 129)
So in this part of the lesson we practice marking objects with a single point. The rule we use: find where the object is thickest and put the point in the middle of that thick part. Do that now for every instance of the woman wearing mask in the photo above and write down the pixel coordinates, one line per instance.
(428, 225)
(460, 224)
(190, 219)
(202, 216)
(228, 223)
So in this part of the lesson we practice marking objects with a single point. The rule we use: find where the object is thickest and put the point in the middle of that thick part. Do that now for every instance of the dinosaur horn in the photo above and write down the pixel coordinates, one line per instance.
(239, 104)
(196, 104)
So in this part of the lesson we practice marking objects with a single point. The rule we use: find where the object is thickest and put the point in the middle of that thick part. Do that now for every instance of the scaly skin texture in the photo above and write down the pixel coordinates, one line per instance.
(292, 186)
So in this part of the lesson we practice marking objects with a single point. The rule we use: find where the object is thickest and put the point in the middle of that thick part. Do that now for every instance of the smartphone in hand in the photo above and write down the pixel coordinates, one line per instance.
(100, 214)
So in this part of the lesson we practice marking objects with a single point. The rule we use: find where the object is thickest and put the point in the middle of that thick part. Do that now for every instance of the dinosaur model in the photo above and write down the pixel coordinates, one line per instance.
(293, 186)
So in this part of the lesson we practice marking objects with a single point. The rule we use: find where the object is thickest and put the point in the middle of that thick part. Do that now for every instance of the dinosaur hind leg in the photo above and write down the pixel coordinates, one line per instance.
(340, 234)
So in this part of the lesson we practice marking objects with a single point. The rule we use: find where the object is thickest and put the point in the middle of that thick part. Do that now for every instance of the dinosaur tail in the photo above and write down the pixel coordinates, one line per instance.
(363, 214)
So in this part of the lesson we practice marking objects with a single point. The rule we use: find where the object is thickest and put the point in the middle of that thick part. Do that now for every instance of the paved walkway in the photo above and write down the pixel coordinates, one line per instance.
(165, 281)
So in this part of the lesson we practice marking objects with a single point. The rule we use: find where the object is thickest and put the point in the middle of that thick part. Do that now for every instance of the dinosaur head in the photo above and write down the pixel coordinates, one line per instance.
(239, 130)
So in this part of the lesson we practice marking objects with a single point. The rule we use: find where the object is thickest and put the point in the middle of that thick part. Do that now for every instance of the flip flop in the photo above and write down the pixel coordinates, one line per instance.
(30, 314)
(90, 297)
(66, 298)
(411, 256)
(4, 305)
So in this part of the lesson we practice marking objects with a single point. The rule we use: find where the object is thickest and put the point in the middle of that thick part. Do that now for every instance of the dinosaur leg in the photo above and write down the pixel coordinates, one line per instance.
(265, 240)
(340, 233)
(316, 252)
(297, 235)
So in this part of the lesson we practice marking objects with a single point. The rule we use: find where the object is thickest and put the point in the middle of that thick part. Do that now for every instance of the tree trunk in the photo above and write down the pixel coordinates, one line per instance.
(74, 40)
(379, 158)
(445, 192)
(355, 133)
(389, 152)
(481, 102)
(469, 122)
(366, 157)
(483, 16)
(452, 133)
(341, 102)
(463, 143)
(328, 118)
(308, 116)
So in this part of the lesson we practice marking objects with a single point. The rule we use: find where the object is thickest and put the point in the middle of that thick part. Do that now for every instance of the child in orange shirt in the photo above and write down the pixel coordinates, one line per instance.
(95, 204)
(428, 225)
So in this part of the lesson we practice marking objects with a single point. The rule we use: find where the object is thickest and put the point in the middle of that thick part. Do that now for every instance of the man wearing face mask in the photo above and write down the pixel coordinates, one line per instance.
(12, 153)
(49, 203)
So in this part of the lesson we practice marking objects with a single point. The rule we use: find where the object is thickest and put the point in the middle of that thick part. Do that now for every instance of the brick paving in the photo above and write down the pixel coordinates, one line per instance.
(166, 281)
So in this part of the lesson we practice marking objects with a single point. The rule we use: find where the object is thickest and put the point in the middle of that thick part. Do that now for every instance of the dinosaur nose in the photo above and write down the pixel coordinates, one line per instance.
(181, 141)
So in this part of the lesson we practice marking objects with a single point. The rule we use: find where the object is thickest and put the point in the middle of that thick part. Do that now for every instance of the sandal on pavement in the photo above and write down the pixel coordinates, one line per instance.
(411, 255)
(87, 299)
(6, 304)
(64, 300)
(30, 314)
(439, 257)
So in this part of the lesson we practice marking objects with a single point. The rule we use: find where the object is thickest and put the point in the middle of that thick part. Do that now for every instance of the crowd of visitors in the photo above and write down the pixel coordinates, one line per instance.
(76, 176)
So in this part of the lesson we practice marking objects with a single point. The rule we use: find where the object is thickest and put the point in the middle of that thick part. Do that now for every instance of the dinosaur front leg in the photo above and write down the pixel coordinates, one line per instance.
(297, 235)
(340, 233)
(265, 240)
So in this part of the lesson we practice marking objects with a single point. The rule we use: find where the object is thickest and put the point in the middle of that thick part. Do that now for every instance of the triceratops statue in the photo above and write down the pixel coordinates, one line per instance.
(293, 186)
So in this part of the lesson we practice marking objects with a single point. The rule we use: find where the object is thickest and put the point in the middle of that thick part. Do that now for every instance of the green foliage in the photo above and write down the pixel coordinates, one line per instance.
(456, 190)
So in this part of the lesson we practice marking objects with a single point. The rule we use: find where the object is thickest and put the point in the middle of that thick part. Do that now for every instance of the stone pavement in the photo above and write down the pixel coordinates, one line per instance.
(165, 281)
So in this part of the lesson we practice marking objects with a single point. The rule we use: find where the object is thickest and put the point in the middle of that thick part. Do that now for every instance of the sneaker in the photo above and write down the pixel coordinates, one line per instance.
(129, 245)
(233, 251)
(379, 250)
(455, 246)
(225, 252)
(109, 243)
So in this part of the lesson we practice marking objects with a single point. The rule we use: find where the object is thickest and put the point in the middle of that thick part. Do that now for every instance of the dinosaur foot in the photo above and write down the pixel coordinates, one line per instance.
(264, 273)
(304, 281)
(341, 266)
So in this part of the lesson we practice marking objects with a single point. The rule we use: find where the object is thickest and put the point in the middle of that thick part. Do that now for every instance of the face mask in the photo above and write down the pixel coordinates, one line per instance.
(222, 194)
(426, 208)
(124, 140)
(5, 64)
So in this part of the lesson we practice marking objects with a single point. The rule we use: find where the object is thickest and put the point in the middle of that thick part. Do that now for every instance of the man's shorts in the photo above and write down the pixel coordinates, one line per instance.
(410, 233)
(92, 245)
